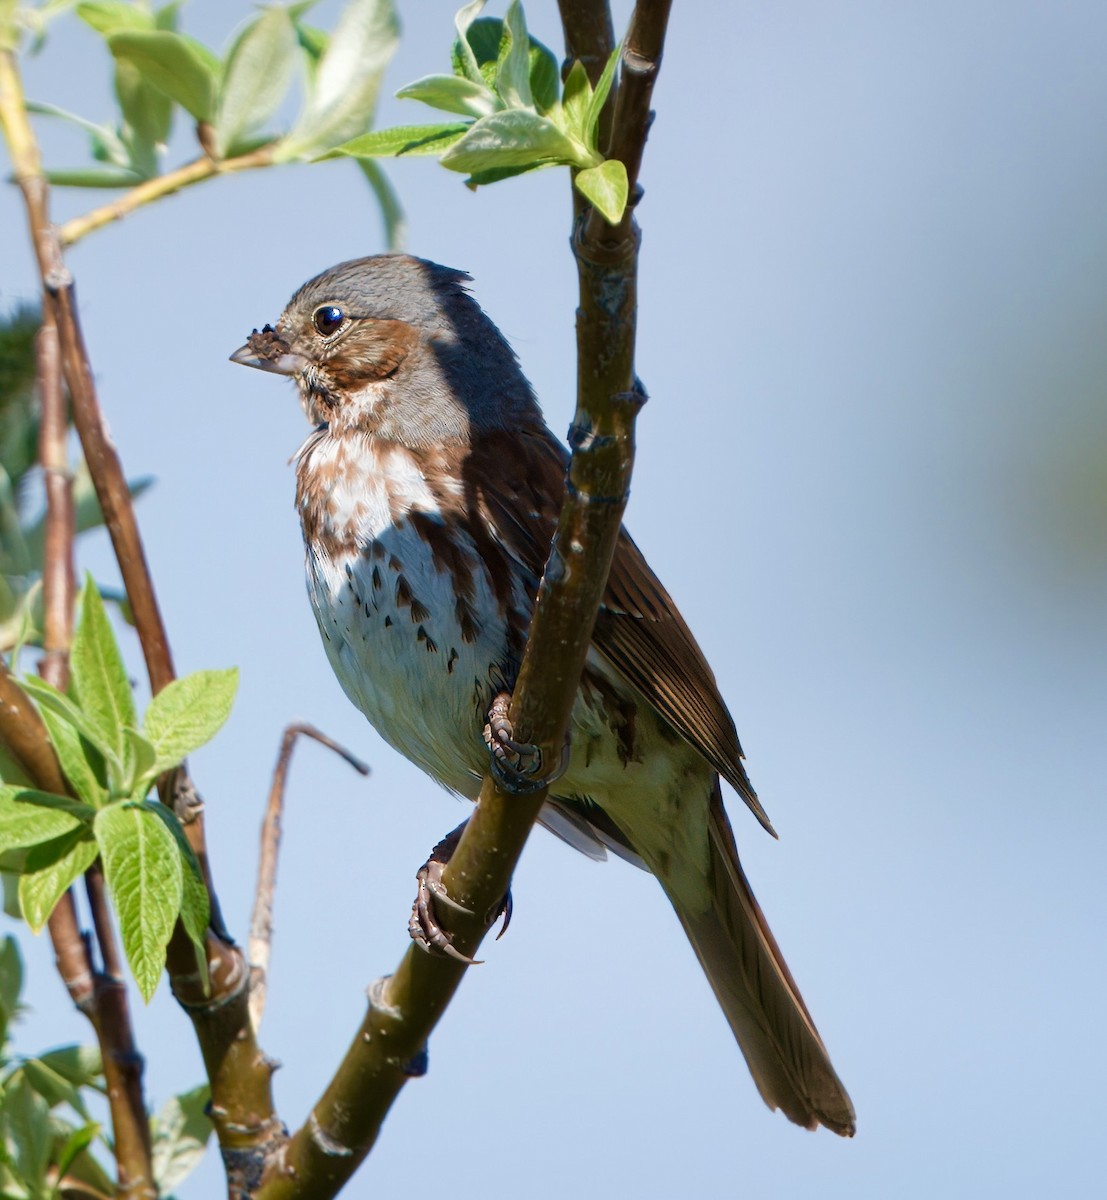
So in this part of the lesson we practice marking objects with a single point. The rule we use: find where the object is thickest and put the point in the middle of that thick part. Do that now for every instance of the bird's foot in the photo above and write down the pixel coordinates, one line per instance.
(424, 925)
(516, 766)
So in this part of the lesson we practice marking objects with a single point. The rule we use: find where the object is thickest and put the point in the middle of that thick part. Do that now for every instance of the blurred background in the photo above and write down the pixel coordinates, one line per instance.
(873, 474)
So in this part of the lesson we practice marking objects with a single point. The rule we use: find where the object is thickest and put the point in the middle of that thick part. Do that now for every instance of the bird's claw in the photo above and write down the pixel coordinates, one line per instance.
(516, 766)
(423, 924)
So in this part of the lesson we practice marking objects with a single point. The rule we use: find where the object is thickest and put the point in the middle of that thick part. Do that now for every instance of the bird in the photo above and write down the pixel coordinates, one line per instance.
(428, 492)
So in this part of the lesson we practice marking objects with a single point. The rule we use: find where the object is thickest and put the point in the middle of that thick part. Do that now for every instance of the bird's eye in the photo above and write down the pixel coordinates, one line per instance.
(327, 319)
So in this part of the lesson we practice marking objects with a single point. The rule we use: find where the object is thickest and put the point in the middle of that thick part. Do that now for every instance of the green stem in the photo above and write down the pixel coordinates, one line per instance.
(161, 186)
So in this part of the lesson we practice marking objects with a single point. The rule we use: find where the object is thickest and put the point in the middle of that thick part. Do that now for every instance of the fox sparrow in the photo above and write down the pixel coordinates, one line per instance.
(428, 491)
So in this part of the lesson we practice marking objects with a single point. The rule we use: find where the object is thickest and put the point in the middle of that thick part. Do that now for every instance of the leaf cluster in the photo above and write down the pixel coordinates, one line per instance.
(47, 1131)
(233, 97)
(111, 762)
(517, 118)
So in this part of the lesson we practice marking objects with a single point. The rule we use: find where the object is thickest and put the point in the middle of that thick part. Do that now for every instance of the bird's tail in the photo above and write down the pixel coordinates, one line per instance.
(757, 993)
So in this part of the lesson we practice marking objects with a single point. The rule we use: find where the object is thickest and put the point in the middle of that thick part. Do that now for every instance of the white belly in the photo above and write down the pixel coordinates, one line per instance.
(389, 624)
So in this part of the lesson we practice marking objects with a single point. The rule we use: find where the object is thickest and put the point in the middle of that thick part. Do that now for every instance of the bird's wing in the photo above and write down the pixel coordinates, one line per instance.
(638, 629)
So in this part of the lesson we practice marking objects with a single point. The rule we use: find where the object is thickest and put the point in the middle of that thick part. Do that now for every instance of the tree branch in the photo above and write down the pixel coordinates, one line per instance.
(261, 923)
(107, 1007)
(240, 1075)
(390, 1045)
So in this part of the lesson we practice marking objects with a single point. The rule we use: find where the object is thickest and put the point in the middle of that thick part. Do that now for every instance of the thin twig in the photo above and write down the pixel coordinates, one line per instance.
(109, 1008)
(261, 924)
(390, 1044)
(158, 188)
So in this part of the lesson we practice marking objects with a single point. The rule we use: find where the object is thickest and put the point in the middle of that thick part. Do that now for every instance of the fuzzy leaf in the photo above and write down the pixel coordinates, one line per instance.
(142, 867)
(100, 680)
(189, 712)
(113, 16)
(599, 96)
(516, 138)
(513, 64)
(46, 876)
(545, 76)
(605, 188)
(465, 62)
(453, 94)
(256, 77)
(346, 83)
(575, 101)
(175, 64)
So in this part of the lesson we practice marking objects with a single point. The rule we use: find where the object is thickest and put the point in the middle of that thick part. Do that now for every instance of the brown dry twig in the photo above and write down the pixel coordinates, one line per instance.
(261, 923)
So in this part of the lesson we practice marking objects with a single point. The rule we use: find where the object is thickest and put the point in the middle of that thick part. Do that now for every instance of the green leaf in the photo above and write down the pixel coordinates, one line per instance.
(256, 77)
(346, 84)
(147, 117)
(575, 101)
(77, 758)
(78, 1140)
(54, 1088)
(189, 712)
(29, 818)
(81, 1065)
(90, 177)
(195, 903)
(27, 1117)
(516, 138)
(451, 93)
(545, 76)
(11, 983)
(46, 696)
(599, 97)
(106, 144)
(173, 63)
(11, 770)
(313, 42)
(485, 38)
(142, 765)
(494, 175)
(513, 65)
(605, 188)
(100, 680)
(402, 139)
(142, 867)
(181, 1131)
(395, 223)
(47, 875)
(465, 62)
(113, 16)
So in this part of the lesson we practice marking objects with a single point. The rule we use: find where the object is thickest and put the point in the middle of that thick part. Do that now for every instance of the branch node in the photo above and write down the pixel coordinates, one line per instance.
(326, 1144)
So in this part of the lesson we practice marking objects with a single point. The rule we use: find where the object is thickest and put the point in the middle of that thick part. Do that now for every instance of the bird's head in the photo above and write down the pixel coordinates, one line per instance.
(394, 346)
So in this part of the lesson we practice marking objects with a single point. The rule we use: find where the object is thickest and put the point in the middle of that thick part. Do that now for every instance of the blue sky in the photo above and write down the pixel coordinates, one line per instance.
(871, 474)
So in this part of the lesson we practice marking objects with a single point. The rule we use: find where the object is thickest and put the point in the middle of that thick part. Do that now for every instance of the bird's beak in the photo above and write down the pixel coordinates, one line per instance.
(280, 364)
